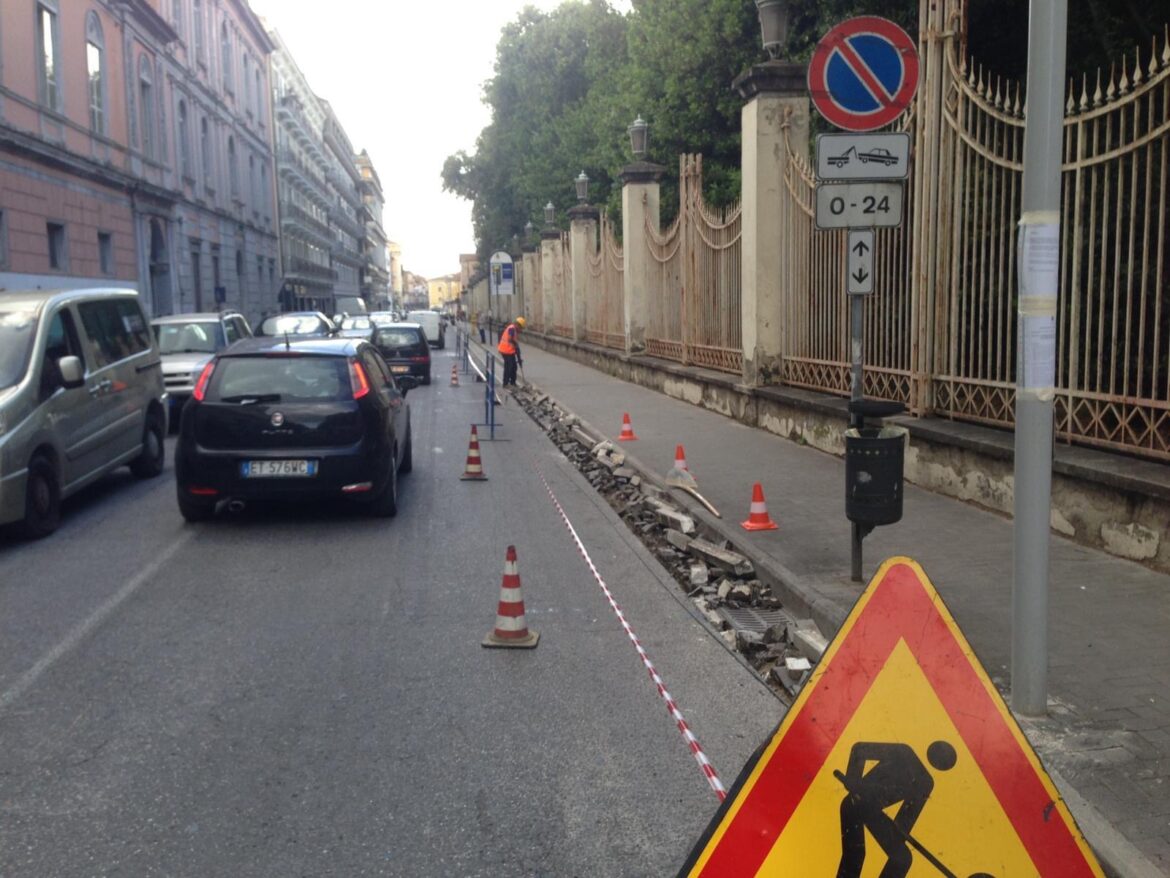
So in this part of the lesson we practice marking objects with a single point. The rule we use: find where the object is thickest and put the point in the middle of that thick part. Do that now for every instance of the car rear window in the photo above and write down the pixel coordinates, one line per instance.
(400, 339)
(247, 380)
(293, 324)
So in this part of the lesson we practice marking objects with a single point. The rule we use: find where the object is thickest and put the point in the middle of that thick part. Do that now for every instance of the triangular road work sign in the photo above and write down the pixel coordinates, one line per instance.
(898, 757)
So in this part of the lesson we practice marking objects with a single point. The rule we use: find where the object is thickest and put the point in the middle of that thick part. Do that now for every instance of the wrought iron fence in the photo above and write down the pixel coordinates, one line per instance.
(694, 308)
(605, 285)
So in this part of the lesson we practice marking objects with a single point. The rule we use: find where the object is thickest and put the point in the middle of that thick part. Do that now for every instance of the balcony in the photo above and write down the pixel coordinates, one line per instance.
(291, 164)
(310, 270)
(348, 223)
(305, 219)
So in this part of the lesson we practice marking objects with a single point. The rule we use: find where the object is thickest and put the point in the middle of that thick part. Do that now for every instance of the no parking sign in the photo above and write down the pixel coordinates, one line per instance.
(863, 73)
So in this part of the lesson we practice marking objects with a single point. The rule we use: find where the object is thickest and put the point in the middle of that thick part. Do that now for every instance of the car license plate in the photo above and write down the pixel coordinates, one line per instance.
(267, 469)
(398, 370)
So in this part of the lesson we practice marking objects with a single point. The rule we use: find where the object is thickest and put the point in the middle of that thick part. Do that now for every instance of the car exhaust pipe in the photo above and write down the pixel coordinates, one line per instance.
(235, 506)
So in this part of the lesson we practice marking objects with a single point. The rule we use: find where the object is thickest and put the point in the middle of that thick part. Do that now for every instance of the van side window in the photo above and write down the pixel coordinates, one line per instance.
(117, 329)
(61, 341)
(232, 331)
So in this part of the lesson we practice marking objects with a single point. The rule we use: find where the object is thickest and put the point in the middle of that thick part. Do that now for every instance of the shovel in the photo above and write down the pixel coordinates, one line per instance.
(913, 842)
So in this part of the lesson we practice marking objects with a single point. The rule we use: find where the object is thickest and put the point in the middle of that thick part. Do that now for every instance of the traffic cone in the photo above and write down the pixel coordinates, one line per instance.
(511, 628)
(454, 376)
(680, 459)
(758, 519)
(627, 433)
(473, 471)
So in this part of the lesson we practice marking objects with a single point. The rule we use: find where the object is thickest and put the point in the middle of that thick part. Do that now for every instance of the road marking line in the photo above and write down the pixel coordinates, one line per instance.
(692, 742)
(26, 680)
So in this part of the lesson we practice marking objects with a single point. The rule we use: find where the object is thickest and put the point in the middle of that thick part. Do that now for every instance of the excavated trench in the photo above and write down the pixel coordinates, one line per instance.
(718, 579)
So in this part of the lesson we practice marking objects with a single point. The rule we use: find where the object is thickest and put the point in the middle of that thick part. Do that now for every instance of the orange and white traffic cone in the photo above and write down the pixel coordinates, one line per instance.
(511, 628)
(627, 434)
(454, 376)
(758, 519)
(680, 459)
(473, 471)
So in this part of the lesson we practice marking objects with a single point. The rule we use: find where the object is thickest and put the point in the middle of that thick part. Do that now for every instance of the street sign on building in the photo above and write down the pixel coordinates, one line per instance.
(863, 156)
(900, 756)
(858, 205)
(863, 73)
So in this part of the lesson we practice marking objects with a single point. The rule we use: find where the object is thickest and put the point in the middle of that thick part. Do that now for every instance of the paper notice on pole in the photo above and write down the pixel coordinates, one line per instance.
(1038, 337)
(1039, 259)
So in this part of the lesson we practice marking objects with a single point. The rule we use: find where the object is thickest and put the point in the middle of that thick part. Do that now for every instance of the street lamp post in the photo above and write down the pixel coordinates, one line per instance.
(639, 133)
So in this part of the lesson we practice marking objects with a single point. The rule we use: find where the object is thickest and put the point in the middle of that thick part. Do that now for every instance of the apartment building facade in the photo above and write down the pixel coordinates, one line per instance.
(375, 279)
(136, 150)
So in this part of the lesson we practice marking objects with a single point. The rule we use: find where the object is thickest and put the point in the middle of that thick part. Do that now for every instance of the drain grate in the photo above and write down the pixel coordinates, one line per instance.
(751, 619)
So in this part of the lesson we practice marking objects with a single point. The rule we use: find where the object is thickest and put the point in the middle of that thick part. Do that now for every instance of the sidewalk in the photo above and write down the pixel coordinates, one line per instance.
(1106, 740)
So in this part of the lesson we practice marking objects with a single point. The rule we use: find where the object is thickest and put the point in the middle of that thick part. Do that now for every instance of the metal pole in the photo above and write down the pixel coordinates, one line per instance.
(1039, 283)
(492, 394)
(856, 394)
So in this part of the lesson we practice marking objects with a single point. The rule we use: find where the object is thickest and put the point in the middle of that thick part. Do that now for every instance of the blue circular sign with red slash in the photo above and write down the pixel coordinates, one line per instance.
(863, 73)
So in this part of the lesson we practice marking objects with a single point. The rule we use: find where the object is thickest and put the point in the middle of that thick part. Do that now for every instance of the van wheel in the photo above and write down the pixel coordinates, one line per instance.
(385, 505)
(153, 458)
(42, 500)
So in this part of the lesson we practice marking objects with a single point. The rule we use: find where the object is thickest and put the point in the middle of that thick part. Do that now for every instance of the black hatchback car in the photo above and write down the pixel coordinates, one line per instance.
(405, 348)
(277, 419)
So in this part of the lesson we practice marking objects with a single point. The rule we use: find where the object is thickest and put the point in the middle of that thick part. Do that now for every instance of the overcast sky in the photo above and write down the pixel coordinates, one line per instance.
(405, 79)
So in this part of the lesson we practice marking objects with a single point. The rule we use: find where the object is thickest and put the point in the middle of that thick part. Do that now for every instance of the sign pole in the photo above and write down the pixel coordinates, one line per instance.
(1038, 270)
(856, 394)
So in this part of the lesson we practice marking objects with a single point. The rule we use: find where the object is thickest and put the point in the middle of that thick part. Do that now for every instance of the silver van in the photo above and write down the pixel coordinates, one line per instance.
(81, 393)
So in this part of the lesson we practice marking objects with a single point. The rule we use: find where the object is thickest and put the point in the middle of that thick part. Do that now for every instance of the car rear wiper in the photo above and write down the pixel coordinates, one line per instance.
(251, 398)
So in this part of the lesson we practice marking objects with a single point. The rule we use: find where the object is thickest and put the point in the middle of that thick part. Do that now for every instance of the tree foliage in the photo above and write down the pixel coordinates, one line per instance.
(567, 83)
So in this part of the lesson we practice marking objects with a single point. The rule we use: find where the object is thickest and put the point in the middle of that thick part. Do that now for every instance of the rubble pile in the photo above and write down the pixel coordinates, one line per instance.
(718, 579)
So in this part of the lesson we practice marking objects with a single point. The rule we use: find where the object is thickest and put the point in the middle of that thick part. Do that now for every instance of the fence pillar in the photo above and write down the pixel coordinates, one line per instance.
(775, 124)
(531, 265)
(640, 202)
(582, 245)
(550, 251)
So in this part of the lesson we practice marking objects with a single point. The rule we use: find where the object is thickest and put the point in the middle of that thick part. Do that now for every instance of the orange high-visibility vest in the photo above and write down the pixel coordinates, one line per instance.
(507, 344)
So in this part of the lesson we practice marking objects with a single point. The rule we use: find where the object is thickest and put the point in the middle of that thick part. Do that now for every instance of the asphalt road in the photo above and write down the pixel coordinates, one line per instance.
(302, 692)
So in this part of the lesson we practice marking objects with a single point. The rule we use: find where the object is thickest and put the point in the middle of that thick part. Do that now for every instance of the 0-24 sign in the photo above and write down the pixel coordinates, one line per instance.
(858, 205)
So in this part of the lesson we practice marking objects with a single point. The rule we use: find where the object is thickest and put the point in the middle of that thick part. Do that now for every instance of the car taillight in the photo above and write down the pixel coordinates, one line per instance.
(420, 359)
(201, 385)
(358, 380)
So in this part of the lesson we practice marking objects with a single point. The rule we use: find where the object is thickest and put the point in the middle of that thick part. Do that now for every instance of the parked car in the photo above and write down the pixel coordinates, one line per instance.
(300, 419)
(297, 323)
(81, 393)
(432, 326)
(404, 347)
(187, 342)
(356, 327)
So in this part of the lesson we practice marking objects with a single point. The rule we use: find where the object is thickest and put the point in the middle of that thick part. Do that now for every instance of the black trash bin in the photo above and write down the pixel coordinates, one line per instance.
(874, 459)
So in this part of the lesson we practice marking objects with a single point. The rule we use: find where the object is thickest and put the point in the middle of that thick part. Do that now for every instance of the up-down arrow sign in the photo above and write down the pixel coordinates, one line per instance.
(860, 262)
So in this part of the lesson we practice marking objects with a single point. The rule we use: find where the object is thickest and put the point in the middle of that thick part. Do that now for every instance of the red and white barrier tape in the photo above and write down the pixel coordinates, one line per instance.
(692, 742)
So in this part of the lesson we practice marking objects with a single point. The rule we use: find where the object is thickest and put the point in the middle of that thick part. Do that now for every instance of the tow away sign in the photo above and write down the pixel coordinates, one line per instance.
(863, 156)
(900, 756)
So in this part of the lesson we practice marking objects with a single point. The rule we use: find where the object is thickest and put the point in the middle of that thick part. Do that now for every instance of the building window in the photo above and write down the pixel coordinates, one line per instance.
(252, 180)
(48, 66)
(197, 27)
(106, 252)
(146, 105)
(56, 236)
(260, 105)
(177, 16)
(3, 239)
(246, 83)
(233, 169)
(225, 51)
(266, 208)
(205, 150)
(95, 58)
(184, 141)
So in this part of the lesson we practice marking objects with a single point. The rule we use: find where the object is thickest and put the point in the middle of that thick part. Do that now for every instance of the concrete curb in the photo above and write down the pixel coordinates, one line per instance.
(1119, 857)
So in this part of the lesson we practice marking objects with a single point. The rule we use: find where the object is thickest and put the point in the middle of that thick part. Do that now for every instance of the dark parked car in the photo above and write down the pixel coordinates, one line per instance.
(405, 348)
(297, 323)
(297, 419)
